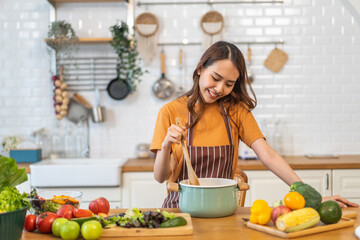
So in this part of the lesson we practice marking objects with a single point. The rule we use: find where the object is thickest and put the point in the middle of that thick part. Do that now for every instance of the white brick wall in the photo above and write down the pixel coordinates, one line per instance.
(316, 95)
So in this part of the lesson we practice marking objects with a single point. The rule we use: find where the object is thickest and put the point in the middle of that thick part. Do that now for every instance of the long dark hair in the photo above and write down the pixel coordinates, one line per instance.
(219, 51)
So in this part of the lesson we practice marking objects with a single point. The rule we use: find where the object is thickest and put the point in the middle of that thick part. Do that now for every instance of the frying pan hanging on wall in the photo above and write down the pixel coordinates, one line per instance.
(118, 89)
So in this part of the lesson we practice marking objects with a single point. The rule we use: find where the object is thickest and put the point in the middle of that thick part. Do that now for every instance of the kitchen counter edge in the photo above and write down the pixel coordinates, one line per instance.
(296, 162)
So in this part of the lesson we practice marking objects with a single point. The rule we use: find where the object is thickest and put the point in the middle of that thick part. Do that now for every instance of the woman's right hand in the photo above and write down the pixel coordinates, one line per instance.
(174, 135)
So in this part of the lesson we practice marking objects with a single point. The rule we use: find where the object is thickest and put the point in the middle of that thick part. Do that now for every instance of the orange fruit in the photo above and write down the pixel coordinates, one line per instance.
(294, 200)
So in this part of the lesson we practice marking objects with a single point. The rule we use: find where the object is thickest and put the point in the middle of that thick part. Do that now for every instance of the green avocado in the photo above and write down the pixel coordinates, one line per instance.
(330, 212)
(312, 197)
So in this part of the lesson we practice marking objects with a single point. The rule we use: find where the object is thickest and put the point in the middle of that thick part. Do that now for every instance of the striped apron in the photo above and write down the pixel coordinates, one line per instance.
(208, 162)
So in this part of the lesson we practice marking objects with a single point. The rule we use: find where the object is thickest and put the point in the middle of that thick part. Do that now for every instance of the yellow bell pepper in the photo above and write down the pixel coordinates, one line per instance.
(260, 212)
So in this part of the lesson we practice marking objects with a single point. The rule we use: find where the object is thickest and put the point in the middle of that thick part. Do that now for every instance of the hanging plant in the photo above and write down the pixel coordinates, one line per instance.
(127, 68)
(61, 35)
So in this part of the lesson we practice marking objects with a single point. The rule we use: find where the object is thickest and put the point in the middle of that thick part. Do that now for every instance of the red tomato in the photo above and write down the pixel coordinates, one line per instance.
(81, 213)
(99, 205)
(66, 211)
(30, 223)
(44, 221)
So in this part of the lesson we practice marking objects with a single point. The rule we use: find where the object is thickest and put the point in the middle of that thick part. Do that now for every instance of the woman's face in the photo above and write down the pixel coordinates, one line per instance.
(217, 80)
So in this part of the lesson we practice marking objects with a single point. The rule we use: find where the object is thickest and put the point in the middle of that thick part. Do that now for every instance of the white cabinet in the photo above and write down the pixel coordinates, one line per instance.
(266, 185)
(141, 190)
(346, 183)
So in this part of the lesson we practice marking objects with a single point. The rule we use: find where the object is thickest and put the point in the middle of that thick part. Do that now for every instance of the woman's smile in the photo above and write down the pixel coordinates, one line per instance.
(217, 80)
(212, 94)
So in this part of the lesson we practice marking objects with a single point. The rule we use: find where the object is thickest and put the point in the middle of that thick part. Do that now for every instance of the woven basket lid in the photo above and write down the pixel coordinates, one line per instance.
(212, 22)
(146, 24)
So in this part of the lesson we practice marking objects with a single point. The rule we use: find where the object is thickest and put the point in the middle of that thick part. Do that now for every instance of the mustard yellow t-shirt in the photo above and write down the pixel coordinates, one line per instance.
(210, 130)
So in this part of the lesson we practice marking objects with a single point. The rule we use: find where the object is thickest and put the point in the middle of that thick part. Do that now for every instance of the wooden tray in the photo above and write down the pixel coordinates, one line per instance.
(127, 232)
(345, 221)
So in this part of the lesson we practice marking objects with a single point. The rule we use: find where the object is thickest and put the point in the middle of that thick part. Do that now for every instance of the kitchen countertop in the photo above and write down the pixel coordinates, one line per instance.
(231, 227)
(296, 162)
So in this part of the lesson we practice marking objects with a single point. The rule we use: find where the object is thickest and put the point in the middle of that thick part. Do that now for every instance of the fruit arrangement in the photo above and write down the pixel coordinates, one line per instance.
(301, 208)
(70, 222)
(61, 96)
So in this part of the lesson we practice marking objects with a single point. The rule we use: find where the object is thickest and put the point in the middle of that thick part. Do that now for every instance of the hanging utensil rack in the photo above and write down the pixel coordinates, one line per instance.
(88, 73)
(209, 2)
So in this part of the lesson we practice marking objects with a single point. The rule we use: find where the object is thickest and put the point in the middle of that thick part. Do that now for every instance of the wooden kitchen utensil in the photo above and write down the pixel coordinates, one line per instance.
(276, 60)
(80, 99)
(180, 90)
(193, 179)
(250, 75)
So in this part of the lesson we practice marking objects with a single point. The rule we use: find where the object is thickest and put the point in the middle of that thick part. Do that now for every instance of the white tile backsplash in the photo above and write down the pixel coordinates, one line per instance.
(316, 94)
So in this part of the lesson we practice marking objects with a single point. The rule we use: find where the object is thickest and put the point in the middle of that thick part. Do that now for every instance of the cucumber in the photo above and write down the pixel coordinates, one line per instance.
(175, 222)
(80, 221)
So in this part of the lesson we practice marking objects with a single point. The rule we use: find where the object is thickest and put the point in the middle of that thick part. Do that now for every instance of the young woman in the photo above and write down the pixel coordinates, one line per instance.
(216, 113)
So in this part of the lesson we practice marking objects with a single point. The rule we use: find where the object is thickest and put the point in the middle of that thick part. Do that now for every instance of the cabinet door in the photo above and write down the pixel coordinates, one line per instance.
(346, 182)
(266, 185)
(141, 190)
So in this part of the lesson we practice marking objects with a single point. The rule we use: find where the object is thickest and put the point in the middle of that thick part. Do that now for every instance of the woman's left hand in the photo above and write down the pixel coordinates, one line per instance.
(344, 203)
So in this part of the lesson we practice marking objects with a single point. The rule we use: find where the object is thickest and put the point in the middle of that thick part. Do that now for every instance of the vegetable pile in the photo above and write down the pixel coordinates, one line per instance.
(11, 176)
(40, 205)
(133, 217)
(301, 208)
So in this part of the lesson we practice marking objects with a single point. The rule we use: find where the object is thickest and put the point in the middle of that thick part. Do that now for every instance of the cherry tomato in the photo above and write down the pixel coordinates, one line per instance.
(91, 229)
(69, 230)
(30, 223)
(81, 213)
(44, 221)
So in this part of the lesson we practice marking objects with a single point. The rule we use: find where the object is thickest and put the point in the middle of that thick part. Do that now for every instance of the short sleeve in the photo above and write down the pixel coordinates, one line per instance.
(162, 124)
(249, 129)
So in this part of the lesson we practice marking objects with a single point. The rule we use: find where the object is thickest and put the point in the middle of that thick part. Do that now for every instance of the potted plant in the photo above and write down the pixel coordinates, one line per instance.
(61, 35)
(128, 69)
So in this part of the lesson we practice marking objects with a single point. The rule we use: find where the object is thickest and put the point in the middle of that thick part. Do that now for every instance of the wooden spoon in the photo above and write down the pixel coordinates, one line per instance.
(80, 99)
(193, 179)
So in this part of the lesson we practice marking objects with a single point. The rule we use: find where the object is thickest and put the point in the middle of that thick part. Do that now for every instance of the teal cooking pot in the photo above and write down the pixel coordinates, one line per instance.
(214, 197)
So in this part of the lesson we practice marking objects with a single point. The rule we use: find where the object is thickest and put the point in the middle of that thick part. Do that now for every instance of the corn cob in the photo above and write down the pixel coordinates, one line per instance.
(298, 220)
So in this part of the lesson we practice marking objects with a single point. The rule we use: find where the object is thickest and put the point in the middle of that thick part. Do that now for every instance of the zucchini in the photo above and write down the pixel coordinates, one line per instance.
(80, 221)
(175, 222)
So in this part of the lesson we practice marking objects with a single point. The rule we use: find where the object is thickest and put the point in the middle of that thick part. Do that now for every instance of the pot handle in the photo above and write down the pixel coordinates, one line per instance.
(243, 186)
(171, 186)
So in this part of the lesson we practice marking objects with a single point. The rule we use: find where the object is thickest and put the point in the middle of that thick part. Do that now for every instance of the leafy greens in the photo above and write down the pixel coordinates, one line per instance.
(11, 176)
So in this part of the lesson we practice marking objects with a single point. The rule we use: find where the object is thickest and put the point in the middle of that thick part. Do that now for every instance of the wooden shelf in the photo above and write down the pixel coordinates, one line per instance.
(54, 2)
(94, 40)
(89, 40)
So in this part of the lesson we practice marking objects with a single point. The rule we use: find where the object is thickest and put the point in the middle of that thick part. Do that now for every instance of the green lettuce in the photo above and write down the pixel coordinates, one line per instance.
(11, 200)
(10, 175)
